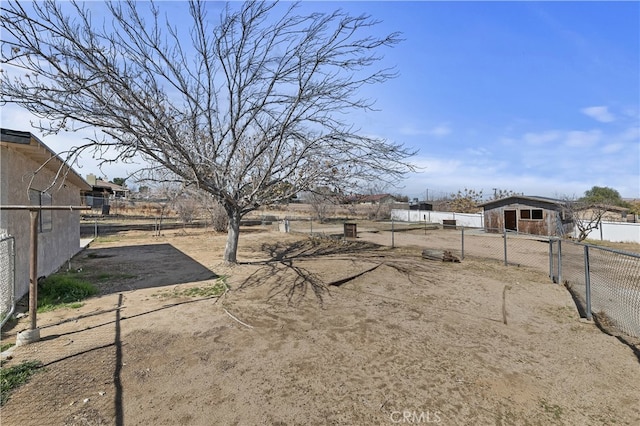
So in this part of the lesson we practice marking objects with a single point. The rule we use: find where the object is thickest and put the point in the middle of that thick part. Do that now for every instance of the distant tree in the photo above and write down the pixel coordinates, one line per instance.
(322, 201)
(144, 189)
(187, 208)
(375, 208)
(166, 195)
(260, 98)
(502, 193)
(466, 201)
(603, 195)
(214, 211)
(120, 181)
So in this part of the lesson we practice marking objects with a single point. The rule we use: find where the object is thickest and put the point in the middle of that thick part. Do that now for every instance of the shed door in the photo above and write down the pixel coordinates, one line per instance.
(510, 221)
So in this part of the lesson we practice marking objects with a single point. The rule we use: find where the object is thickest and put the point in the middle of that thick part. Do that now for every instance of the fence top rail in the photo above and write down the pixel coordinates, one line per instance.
(33, 208)
(597, 247)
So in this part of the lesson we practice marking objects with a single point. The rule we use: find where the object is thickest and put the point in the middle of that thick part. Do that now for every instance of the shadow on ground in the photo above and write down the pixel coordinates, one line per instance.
(115, 269)
(284, 275)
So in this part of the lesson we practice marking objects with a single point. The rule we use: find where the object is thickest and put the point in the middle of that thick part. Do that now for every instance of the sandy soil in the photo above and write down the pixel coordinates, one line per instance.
(323, 332)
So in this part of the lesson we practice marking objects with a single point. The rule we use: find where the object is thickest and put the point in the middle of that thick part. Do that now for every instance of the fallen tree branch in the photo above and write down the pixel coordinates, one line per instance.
(346, 280)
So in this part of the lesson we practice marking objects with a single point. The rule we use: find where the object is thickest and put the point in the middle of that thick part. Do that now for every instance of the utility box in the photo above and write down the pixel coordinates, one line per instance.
(350, 230)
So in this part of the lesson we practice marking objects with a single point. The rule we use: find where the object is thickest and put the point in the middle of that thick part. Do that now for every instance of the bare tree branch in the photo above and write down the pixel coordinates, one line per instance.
(250, 110)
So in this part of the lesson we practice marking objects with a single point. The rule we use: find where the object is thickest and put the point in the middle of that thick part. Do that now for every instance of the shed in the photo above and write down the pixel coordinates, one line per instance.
(27, 169)
(527, 214)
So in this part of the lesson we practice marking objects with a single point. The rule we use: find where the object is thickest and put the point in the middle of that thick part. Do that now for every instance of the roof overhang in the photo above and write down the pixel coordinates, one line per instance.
(32, 147)
(519, 198)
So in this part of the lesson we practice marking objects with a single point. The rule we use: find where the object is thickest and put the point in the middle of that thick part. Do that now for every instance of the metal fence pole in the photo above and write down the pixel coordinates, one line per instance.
(587, 282)
(551, 260)
(33, 269)
(95, 228)
(392, 234)
(462, 254)
(559, 261)
(505, 247)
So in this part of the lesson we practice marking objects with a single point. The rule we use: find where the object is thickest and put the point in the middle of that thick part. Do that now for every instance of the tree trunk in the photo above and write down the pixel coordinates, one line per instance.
(231, 249)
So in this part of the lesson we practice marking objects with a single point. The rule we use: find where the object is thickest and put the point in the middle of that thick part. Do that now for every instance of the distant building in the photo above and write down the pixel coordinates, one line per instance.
(102, 192)
(608, 213)
(421, 206)
(27, 169)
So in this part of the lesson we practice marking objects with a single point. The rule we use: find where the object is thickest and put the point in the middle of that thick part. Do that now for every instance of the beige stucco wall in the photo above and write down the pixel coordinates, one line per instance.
(55, 247)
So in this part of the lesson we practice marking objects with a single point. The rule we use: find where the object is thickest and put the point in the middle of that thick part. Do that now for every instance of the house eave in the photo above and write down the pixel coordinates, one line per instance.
(31, 147)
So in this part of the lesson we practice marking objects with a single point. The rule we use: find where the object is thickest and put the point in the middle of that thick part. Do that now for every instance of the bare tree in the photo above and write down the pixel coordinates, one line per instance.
(187, 209)
(167, 193)
(376, 209)
(212, 207)
(585, 216)
(588, 211)
(321, 201)
(251, 109)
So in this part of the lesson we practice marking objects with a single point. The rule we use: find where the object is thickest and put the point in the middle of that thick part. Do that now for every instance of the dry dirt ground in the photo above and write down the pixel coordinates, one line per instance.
(323, 332)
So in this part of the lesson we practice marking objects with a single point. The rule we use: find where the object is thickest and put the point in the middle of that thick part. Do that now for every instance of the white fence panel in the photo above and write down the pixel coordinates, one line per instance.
(617, 232)
(470, 220)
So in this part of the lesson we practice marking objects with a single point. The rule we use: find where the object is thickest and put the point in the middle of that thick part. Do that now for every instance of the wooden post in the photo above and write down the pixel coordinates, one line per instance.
(33, 334)
(33, 269)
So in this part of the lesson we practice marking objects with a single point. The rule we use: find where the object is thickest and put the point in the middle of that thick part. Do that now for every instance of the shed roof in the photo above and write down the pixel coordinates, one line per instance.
(32, 147)
(518, 198)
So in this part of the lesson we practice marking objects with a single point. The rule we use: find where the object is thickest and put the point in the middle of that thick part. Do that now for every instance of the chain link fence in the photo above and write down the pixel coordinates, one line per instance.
(7, 278)
(510, 247)
(603, 282)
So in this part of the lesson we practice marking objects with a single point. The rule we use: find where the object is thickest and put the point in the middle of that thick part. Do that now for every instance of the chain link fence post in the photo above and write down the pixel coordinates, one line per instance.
(462, 251)
(392, 234)
(505, 246)
(551, 260)
(587, 282)
(559, 261)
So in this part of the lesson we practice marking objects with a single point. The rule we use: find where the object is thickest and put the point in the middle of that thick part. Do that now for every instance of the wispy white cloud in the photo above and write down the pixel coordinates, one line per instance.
(582, 139)
(478, 152)
(631, 134)
(599, 113)
(612, 148)
(541, 137)
(440, 130)
(434, 165)
(411, 131)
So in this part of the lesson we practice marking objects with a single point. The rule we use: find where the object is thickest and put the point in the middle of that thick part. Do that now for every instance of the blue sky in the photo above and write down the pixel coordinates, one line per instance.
(541, 98)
